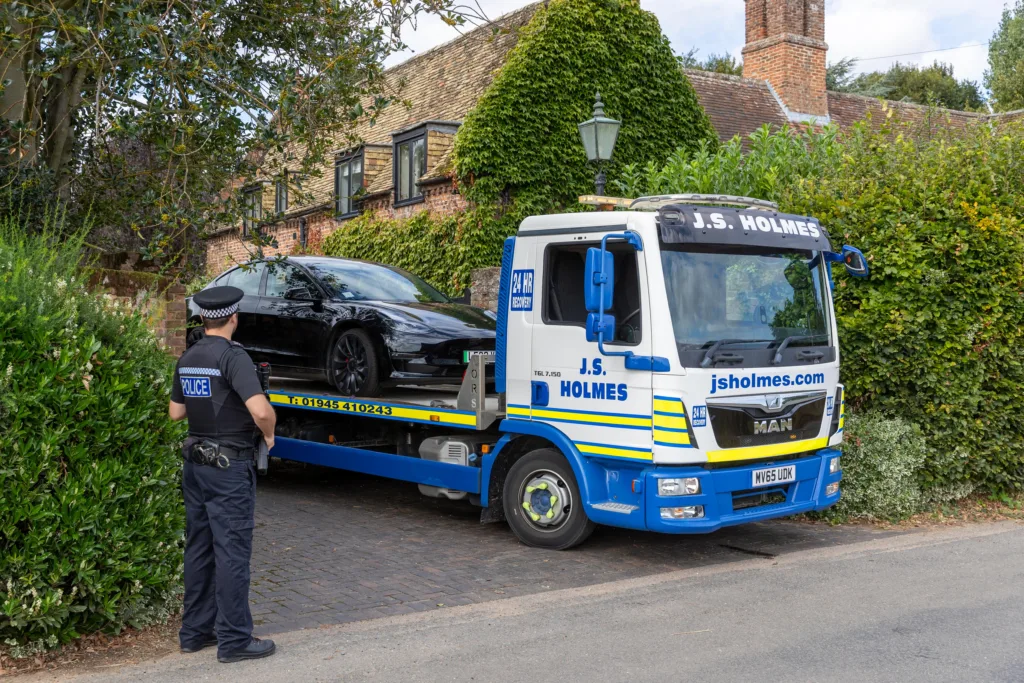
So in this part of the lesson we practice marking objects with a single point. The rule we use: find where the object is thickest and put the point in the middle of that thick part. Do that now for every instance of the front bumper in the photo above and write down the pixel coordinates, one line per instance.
(721, 488)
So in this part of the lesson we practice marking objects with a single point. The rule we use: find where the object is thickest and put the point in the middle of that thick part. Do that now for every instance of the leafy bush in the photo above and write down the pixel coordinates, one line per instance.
(934, 334)
(521, 140)
(91, 518)
(881, 460)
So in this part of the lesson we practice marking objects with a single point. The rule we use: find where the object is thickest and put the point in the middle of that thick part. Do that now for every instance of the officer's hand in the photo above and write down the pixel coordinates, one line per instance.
(269, 441)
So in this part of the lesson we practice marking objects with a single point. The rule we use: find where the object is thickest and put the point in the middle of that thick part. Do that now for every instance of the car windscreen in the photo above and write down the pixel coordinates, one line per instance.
(747, 297)
(362, 281)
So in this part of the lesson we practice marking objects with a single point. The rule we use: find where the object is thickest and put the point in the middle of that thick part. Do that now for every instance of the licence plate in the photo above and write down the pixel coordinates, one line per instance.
(488, 356)
(774, 475)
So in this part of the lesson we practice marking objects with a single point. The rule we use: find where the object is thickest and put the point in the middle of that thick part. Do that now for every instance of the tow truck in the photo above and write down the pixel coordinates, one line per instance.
(672, 367)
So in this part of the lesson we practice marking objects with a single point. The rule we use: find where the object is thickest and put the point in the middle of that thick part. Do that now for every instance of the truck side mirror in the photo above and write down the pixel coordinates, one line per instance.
(598, 324)
(856, 264)
(600, 270)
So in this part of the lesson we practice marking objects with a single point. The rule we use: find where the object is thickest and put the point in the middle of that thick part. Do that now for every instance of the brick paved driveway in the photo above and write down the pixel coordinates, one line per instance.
(332, 547)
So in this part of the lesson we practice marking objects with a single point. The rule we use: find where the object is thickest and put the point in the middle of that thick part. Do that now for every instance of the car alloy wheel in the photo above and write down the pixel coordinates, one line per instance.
(354, 364)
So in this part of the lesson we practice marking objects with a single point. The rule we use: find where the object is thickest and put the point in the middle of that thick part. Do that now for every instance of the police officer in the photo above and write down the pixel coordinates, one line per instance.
(217, 389)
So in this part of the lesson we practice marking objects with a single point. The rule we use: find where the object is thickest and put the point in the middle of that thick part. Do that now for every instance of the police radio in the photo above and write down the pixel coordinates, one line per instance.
(262, 452)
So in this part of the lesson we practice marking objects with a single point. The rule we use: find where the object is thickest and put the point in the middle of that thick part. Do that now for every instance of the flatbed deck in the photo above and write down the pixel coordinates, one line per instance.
(427, 405)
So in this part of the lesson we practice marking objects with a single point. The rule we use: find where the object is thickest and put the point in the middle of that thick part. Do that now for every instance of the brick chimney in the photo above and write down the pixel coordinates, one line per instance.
(786, 47)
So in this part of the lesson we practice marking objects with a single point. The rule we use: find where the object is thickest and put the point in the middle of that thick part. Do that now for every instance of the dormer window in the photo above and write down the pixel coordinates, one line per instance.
(410, 162)
(348, 182)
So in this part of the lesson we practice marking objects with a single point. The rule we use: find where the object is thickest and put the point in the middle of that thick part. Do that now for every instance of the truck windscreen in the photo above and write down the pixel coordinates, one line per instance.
(754, 298)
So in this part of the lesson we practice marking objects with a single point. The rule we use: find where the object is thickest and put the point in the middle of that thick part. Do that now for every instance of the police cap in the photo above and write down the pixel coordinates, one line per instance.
(218, 302)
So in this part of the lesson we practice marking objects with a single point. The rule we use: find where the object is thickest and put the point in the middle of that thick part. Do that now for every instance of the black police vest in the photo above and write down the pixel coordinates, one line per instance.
(213, 408)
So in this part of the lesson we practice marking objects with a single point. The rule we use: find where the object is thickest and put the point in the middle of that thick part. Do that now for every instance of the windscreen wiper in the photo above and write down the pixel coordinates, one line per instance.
(794, 338)
(709, 357)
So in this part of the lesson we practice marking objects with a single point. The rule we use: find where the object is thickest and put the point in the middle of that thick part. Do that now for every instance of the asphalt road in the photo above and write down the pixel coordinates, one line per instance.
(944, 605)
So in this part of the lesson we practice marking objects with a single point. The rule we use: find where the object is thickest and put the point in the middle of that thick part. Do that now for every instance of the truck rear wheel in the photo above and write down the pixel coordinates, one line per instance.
(542, 502)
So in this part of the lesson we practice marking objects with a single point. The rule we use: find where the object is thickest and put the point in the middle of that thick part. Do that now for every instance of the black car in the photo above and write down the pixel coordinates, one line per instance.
(359, 325)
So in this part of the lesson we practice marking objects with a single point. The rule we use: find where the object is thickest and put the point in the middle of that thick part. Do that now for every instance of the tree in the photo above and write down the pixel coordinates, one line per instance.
(142, 111)
(723, 63)
(931, 85)
(1005, 75)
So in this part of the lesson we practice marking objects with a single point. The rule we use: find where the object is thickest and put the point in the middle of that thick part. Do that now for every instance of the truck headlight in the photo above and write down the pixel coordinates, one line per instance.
(830, 490)
(833, 465)
(685, 486)
(685, 512)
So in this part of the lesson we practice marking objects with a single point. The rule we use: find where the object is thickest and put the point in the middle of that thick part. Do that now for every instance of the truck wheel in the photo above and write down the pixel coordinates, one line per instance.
(354, 366)
(542, 502)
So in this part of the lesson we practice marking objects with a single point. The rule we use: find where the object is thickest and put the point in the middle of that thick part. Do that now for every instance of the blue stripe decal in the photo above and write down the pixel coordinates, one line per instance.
(669, 398)
(673, 445)
(501, 334)
(611, 445)
(578, 422)
(662, 412)
(517, 405)
(671, 429)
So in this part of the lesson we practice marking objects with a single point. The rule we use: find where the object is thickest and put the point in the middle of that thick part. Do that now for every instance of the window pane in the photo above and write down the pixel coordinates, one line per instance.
(357, 178)
(344, 190)
(247, 279)
(361, 281)
(281, 278)
(420, 152)
(404, 170)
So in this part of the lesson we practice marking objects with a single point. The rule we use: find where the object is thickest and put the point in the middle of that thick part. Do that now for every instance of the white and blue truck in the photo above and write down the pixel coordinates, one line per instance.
(672, 367)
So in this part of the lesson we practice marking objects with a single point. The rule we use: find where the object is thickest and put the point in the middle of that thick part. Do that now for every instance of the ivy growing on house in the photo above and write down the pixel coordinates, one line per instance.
(521, 143)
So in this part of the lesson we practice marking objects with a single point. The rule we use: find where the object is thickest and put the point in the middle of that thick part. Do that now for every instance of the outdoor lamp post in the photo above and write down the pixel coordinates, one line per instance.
(599, 135)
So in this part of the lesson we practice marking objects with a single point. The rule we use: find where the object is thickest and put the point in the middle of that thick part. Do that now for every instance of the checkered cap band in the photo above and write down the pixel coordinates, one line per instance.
(218, 312)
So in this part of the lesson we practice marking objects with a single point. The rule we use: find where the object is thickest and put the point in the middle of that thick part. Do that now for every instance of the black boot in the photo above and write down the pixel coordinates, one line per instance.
(196, 647)
(254, 650)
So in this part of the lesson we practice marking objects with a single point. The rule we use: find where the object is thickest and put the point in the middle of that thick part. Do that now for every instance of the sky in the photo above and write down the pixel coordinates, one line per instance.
(866, 29)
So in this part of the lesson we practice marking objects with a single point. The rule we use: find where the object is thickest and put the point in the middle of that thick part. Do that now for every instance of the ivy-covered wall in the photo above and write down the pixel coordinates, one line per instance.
(521, 141)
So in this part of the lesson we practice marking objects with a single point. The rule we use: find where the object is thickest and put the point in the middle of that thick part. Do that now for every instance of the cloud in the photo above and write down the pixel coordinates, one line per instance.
(854, 28)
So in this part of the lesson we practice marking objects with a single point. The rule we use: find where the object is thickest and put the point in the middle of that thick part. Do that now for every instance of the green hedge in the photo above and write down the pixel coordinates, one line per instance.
(521, 140)
(934, 335)
(91, 519)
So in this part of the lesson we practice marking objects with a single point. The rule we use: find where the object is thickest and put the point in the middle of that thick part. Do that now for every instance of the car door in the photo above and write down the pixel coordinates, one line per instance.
(296, 327)
(249, 279)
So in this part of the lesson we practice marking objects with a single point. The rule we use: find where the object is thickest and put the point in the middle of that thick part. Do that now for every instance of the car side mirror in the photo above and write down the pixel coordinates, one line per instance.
(299, 294)
(856, 264)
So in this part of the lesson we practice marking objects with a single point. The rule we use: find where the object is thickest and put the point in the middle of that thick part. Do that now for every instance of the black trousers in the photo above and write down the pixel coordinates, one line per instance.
(219, 506)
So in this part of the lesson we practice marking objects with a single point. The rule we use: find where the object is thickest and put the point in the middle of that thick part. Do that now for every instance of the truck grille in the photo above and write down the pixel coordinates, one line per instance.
(744, 500)
(737, 425)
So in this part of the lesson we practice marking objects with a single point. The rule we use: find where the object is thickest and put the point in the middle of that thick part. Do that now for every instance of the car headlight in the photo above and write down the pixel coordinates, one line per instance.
(834, 465)
(685, 486)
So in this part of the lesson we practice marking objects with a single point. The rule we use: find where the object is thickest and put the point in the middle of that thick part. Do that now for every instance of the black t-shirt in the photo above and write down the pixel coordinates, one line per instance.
(214, 379)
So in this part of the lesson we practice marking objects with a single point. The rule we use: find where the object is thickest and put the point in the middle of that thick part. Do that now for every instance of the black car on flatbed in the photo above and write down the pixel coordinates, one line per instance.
(359, 325)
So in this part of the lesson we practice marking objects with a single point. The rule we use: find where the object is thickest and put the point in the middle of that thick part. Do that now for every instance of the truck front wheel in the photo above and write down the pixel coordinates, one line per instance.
(542, 502)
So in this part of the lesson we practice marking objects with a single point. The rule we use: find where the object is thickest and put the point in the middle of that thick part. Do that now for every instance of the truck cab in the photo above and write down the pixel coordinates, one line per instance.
(683, 355)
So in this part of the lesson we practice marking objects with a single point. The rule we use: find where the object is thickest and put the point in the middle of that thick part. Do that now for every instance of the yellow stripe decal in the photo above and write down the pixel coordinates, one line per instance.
(769, 451)
(609, 420)
(664, 405)
(669, 422)
(594, 449)
(349, 406)
(521, 412)
(671, 437)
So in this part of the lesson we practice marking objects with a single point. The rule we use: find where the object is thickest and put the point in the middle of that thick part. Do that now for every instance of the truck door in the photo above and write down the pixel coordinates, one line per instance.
(599, 404)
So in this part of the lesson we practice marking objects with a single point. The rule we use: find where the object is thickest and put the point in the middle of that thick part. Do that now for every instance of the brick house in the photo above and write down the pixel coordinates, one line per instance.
(401, 163)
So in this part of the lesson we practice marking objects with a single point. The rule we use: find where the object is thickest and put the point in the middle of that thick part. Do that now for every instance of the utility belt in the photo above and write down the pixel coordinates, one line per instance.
(211, 453)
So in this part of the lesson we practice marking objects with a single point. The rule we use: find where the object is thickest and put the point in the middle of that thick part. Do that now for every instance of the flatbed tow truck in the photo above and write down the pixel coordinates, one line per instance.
(673, 367)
